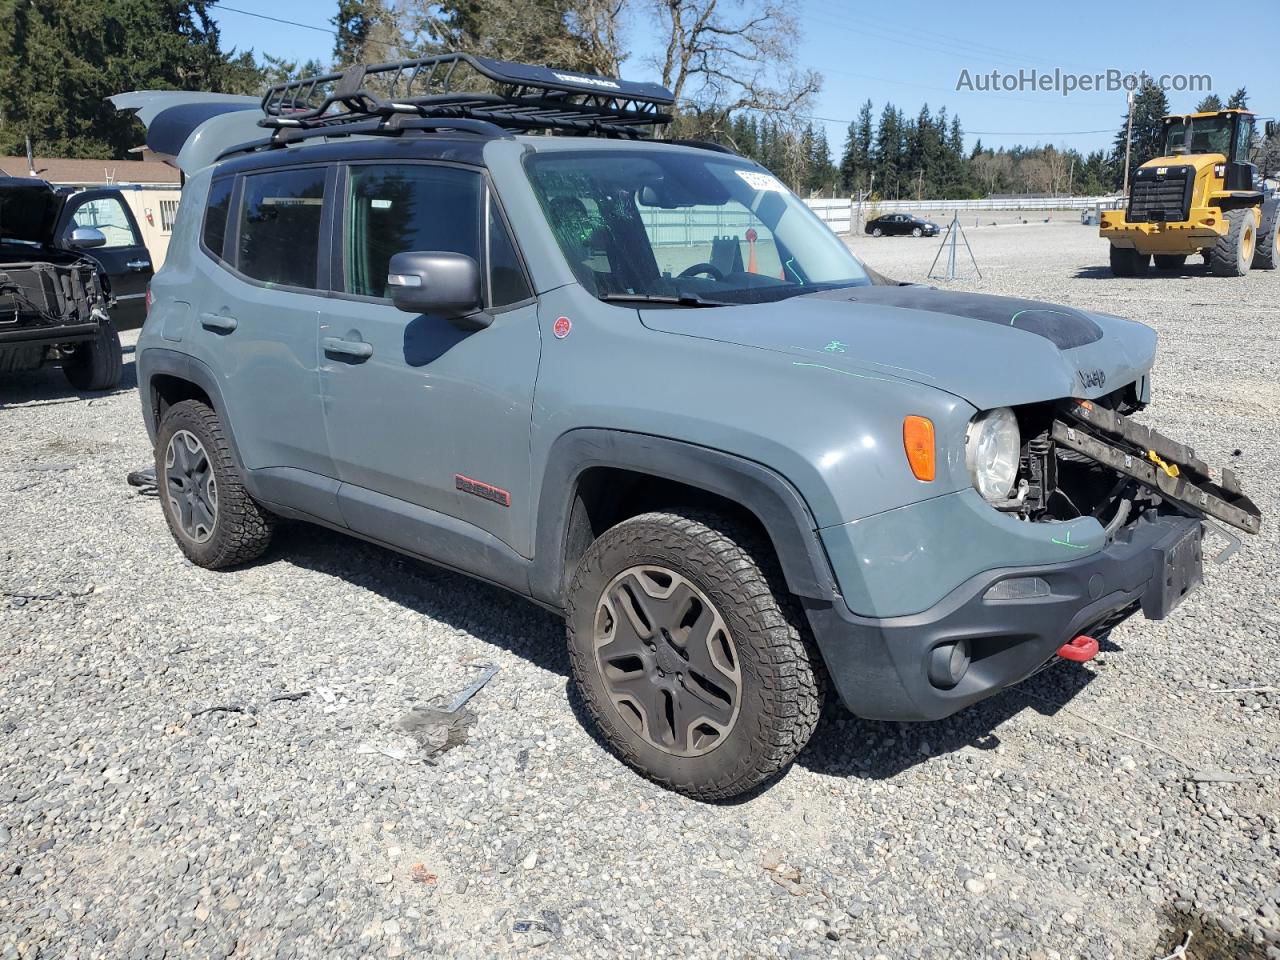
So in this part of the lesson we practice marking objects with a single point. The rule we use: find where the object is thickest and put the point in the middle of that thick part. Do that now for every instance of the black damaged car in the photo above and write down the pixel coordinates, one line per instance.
(53, 298)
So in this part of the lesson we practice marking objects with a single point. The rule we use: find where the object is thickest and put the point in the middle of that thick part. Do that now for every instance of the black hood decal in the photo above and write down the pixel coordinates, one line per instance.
(1065, 327)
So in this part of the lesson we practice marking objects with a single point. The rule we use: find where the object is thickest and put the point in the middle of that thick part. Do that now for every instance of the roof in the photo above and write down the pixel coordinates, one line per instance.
(1210, 113)
(86, 172)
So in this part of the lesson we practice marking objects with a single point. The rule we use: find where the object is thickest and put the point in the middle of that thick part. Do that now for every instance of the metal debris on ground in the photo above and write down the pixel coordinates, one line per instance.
(1180, 949)
(144, 480)
(437, 729)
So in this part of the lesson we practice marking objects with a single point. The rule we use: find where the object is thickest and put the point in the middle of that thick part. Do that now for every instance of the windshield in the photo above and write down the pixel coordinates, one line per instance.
(1208, 135)
(643, 224)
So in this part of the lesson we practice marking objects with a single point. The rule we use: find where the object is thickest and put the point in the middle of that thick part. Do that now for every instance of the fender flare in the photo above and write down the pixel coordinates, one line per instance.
(157, 361)
(777, 504)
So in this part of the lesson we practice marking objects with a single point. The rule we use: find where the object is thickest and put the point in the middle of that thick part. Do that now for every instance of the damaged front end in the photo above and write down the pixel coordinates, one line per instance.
(1088, 458)
(46, 310)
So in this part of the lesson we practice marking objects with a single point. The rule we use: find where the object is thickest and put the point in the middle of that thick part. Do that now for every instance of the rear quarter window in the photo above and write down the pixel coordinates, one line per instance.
(215, 216)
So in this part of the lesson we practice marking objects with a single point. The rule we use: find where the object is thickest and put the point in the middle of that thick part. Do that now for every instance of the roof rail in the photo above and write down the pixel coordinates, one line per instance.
(510, 96)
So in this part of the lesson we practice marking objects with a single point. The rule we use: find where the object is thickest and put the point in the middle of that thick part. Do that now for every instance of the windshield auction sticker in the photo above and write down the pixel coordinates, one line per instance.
(761, 181)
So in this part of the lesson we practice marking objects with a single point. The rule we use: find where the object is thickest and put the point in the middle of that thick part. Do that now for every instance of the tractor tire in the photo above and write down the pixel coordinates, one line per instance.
(96, 364)
(713, 720)
(1170, 261)
(1127, 262)
(1267, 256)
(1233, 252)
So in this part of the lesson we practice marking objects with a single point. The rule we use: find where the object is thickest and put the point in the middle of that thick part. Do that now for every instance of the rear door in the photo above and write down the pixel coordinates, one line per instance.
(124, 258)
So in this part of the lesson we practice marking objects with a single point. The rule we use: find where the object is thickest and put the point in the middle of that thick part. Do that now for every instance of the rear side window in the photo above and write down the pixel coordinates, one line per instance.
(395, 208)
(215, 216)
(279, 239)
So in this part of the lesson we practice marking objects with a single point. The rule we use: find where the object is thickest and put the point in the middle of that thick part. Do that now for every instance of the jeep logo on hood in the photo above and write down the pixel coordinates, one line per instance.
(1092, 379)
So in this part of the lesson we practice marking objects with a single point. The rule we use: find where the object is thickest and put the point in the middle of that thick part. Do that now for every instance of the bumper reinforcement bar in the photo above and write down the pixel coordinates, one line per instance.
(1168, 467)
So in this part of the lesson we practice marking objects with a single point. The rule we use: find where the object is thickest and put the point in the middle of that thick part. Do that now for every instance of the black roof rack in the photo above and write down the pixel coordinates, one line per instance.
(495, 96)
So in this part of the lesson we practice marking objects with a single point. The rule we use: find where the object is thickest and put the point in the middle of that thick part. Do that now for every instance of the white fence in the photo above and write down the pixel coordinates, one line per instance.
(841, 215)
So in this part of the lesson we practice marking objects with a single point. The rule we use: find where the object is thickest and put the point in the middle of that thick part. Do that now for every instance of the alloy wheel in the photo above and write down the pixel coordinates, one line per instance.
(668, 661)
(191, 486)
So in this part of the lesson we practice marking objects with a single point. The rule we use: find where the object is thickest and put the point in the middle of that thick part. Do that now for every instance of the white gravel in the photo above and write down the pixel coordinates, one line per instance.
(1097, 811)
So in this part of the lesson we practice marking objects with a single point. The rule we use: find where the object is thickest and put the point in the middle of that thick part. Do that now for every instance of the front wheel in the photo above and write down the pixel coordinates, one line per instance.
(1127, 262)
(689, 654)
(96, 364)
(877, 232)
(210, 514)
(917, 232)
(1233, 252)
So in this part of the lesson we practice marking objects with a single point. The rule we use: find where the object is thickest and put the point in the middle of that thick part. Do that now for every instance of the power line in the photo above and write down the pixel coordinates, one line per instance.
(694, 103)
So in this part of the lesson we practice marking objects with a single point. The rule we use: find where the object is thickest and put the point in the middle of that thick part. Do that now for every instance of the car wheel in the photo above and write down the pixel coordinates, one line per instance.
(877, 232)
(210, 514)
(690, 655)
(96, 364)
(917, 232)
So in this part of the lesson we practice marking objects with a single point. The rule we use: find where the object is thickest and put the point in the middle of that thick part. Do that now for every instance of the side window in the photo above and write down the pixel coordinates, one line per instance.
(280, 226)
(106, 214)
(393, 208)
(506, 280)
(215, 215)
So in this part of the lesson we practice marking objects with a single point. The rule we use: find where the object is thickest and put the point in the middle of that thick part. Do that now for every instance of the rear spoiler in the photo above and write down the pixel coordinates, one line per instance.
(190, 130)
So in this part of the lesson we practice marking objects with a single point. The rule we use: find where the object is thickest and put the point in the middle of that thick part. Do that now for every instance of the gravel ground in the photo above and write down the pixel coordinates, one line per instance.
(1101, 810)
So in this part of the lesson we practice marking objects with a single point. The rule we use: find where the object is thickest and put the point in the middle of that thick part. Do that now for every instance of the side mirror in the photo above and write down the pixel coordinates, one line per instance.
(437, 282)
(86, 238)
(1271, 127)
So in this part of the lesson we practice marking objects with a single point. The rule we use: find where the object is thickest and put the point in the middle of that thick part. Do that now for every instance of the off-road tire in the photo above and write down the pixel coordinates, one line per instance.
(96, 364)
(1170, 261)
(1233, 251)
(1267, 254)
(783, 679)
(1127, 262)
(242, 529)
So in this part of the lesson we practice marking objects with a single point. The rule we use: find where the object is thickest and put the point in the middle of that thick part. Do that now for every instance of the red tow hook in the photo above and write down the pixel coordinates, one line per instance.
(1080, 649)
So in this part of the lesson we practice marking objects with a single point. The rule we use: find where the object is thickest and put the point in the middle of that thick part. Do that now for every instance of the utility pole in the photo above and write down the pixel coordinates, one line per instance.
(1128, 143)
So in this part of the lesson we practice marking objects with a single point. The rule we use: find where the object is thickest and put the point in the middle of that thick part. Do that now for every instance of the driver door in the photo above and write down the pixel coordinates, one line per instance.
(124, 257)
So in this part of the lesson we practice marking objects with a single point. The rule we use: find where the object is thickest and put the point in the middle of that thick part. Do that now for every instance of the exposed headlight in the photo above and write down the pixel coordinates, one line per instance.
(991, 450)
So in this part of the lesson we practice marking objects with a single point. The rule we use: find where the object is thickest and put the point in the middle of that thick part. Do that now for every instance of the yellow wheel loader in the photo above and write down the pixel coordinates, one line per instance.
(1202, 195)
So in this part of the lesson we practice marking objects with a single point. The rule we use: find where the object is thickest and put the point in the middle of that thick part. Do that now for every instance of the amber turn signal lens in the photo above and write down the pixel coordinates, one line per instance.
(917, 438)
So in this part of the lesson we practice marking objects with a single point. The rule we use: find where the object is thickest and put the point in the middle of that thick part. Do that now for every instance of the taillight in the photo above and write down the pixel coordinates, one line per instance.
(151, 298)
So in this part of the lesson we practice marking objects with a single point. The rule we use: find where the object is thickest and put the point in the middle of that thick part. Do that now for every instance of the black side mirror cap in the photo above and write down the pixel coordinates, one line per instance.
(439, 282)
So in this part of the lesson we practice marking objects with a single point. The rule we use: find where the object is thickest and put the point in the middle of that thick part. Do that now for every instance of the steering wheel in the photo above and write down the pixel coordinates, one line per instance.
(709, 269)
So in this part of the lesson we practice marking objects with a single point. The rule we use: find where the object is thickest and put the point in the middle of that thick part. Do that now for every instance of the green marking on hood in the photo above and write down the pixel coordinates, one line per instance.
(1067, 543)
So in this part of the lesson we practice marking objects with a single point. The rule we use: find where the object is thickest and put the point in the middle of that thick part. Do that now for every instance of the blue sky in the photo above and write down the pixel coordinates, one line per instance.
(913, 52)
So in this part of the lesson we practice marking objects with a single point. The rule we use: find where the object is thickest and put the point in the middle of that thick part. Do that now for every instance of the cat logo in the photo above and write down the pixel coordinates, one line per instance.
(1161, 171)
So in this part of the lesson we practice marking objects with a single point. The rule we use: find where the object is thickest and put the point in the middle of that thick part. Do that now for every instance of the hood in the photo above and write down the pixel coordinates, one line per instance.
(29, 210)
(990, 351)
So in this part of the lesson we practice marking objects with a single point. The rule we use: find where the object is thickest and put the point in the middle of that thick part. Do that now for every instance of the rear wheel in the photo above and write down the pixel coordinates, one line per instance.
(1233, 252)
(690, 655)
(1267, 256)
(1170, 261)
(1127, 262)
(96, 364)
(210, 514)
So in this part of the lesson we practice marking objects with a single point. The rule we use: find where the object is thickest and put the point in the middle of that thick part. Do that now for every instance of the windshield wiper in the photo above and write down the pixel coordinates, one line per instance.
(685, 300)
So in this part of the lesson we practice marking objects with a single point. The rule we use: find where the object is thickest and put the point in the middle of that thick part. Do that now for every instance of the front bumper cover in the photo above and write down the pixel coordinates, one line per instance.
(880, 666)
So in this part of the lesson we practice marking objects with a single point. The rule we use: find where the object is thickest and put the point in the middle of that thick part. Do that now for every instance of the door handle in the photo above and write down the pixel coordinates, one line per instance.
(139, 264)
(348, 348)
(216, 321)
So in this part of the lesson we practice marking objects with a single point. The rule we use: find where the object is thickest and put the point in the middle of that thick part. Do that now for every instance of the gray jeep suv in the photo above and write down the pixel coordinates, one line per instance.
(639, 383)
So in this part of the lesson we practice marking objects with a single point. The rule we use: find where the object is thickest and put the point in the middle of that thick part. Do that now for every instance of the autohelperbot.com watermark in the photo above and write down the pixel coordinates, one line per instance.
(1034, 80)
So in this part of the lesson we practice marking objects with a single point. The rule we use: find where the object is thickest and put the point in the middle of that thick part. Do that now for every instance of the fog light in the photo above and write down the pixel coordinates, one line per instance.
(948, 663)
(1017, 588)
